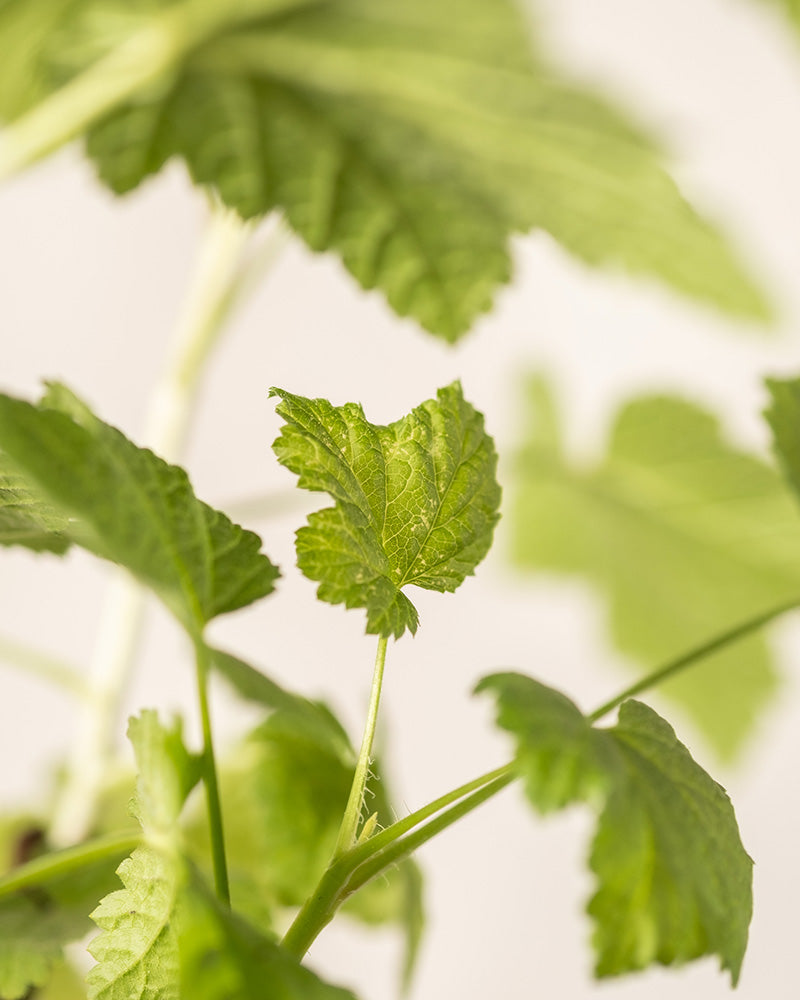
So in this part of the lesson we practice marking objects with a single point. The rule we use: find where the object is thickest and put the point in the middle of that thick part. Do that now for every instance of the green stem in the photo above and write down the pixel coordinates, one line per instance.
(337, 882)
(405, 846)
(213, 805)
(685, 660)
(48, 668)
(59, 863)
(222, 275)
(352, 812)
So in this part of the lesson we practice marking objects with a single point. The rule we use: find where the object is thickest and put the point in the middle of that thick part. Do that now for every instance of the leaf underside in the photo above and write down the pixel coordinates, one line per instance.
(25, 519)
(129, 506)
(411, 139)
(416, 501)
(685, 536)
(673, 880)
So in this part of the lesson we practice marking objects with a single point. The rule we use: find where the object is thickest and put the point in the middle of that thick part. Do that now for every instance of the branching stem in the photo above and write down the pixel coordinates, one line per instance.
(352, 813)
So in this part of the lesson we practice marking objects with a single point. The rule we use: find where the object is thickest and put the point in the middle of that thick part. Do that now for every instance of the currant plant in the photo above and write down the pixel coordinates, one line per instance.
(413, 140)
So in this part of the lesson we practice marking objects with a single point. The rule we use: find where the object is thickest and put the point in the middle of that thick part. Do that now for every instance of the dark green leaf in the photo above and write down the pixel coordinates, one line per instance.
(132, 508)
(416, 501)
(673, 880)
(685, 535)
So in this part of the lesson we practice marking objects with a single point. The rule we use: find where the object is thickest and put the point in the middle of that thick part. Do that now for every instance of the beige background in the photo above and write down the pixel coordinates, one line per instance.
(90, 288)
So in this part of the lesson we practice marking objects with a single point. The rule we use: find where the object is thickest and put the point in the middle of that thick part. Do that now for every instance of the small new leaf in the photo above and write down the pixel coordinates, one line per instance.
(673, 880)
(416, 501)
(711, 530)
(127, 505)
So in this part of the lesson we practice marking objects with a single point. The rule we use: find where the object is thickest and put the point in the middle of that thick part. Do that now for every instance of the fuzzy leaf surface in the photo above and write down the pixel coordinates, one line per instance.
(133, 508)
(312, 108)
(137, 951)
(685, 535)
(416, 501)
(673, 880)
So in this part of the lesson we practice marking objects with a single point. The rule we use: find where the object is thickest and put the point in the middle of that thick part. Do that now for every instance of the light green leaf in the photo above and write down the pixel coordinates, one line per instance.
(129, 506)
(25, 519)
(685, 535)
(137, 951)
(673, 880)
(416, 501)
(783, 416)
(222, 957)
(312, 108)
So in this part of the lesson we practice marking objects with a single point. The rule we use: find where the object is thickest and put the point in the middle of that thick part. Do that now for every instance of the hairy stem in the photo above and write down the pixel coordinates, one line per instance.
(223, 274)
(213, 804)
(344, 875)
(49, 866)
(352, 812)
(689, 659)
(43, 665)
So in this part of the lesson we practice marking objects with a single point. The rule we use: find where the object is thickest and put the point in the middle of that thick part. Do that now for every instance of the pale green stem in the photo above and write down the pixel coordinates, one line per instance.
(42, 870)
(685, 660)
(352, 813)
(142, 61)
(48, 668)
(222, 274)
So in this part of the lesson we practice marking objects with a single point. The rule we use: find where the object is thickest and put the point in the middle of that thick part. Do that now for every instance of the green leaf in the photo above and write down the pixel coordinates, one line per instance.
(137, 951)
(783, 416)
(673, 880)
(129, 506)
(222, 957)
(416, 501)
(312, 108)
(685, 535)
(25, 519)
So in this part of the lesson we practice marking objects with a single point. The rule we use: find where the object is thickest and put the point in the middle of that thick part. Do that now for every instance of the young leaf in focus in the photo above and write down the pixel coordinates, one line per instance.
(25, 519)
(673, 880)
(137, 951)
(416, 501)
(284, 791)
(412, 139)
(685, 535)
(129, 506)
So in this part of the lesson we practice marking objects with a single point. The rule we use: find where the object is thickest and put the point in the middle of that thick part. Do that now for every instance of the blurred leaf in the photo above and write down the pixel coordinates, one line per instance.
(673, 880)
(129, 506)
(313, 108)
(416, 501)
(222, 957)
(685, 536)
(25, 519)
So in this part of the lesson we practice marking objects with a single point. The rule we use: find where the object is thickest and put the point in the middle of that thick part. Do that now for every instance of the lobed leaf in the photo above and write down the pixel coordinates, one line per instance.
(673, 880)
(312, 108)
(416, 501)
(127, 505)
(685, 535)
